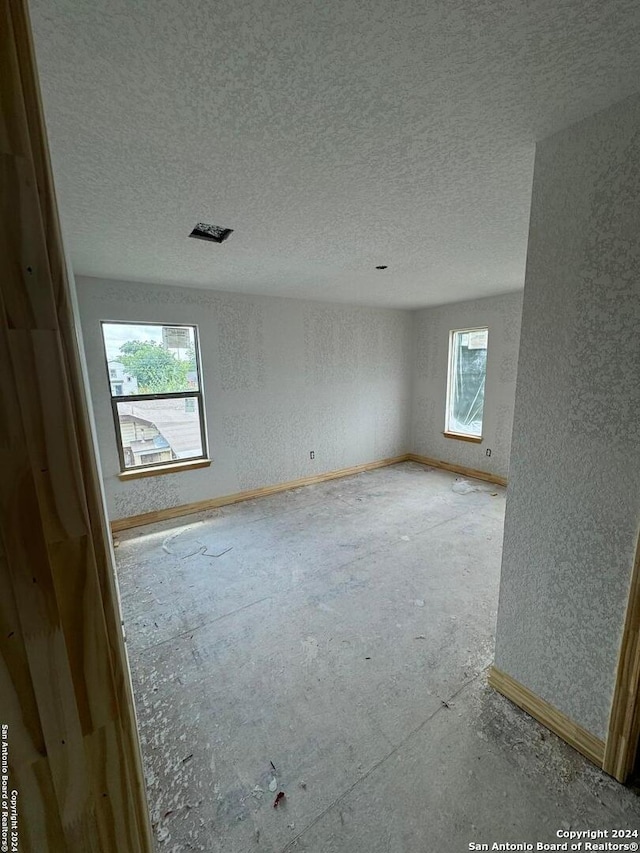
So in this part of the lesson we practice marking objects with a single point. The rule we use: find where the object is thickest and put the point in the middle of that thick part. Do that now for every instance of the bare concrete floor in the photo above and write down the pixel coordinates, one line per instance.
(340, 634)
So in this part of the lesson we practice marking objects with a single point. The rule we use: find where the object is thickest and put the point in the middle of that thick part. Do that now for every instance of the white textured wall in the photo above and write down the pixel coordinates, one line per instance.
(574, 496)
(501, 314)
(281, 377)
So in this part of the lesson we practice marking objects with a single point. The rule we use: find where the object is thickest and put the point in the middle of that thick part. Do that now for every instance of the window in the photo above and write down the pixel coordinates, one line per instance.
(465, 387)
(156, 393)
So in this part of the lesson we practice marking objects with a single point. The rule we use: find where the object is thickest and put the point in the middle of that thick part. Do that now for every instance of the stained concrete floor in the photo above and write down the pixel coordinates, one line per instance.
(340, 633)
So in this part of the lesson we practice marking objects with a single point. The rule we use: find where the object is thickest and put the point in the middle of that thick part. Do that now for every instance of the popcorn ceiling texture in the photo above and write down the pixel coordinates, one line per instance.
(281, 377)
(501, 315)
(574, 493)
(331, 136)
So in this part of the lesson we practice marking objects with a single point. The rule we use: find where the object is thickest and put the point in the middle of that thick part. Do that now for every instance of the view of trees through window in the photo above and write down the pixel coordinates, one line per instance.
(158, 370)
(467, 374)
(155, 392)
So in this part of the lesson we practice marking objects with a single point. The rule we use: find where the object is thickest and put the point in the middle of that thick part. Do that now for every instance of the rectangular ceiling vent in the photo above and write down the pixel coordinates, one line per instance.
(213, 233)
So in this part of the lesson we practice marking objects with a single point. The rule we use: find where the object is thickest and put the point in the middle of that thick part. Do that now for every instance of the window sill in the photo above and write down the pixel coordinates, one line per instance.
(476, 439)
(156, 470)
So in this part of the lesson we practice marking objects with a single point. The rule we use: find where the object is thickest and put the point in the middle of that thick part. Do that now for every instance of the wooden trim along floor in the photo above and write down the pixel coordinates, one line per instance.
(589, 745)
(213, 503)
(624, 720)
(458, 469)
(225, 500)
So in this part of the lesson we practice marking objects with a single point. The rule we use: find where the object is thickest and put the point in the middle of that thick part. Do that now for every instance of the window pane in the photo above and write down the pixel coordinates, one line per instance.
(467, 368)
(150, 359)
(156, 431)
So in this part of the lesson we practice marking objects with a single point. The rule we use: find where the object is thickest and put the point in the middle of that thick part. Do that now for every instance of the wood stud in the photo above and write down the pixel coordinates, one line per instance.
(624, 721)
(74, 755)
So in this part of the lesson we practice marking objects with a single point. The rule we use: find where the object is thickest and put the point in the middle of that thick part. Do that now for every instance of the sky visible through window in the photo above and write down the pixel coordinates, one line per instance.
(155, 391)
(150, 359)
(116, 334)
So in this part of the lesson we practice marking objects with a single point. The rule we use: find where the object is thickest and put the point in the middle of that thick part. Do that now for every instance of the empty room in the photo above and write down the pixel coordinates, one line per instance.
(320, 426)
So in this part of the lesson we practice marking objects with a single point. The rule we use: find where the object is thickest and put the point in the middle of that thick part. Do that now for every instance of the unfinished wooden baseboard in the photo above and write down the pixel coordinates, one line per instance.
(624, 721)
(589, 745)
(225, 500)
(458, 469)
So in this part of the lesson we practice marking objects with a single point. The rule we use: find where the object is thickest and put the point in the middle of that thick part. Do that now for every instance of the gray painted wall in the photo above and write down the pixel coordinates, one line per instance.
(574, 496)
(281, 377)
(501, 315)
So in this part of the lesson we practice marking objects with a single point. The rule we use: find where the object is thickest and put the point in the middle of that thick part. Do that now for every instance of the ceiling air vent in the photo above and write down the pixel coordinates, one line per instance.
(213, 233)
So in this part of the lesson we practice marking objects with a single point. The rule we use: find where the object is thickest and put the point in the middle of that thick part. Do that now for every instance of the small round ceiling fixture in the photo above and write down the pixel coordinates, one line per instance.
(382, 267)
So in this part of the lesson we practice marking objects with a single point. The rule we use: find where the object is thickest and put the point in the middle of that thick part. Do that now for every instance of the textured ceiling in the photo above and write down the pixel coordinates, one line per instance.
(330, 135)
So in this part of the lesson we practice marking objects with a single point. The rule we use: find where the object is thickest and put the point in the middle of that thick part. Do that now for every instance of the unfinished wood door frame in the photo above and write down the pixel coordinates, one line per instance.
(616, 756)
(624, 720)
(74, 756)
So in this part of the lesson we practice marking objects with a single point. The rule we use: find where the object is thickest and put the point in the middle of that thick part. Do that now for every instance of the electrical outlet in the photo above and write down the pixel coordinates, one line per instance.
(488, 451)
(312, 454)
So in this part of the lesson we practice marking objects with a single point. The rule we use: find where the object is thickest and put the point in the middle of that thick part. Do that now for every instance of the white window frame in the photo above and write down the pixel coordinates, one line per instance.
(448, 431)
(132, 398)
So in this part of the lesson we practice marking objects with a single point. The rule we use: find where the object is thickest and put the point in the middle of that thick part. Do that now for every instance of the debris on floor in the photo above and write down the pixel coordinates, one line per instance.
(167, 545)
(419, 602)
(273, 784)
(172, 547)
(463, 487)
(222, 553)
(176, 692)
(279, 798)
